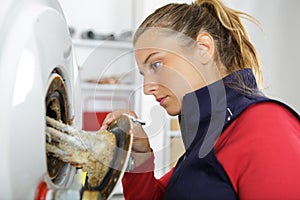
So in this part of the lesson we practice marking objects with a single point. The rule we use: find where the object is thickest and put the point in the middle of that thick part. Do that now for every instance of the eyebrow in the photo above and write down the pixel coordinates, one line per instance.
(149, 56)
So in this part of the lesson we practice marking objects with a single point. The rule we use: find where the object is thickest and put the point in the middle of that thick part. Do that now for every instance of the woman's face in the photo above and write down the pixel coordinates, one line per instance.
(169, 72)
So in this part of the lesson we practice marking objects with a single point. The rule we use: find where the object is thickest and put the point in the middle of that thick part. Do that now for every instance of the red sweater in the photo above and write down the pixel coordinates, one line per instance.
(260, 152)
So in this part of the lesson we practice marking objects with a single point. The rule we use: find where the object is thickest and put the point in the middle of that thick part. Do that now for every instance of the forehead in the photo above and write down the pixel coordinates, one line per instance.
(161, 40)
(152, 39)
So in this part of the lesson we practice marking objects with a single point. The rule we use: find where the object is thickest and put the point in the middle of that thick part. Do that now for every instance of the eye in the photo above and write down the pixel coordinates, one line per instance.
(156, 64)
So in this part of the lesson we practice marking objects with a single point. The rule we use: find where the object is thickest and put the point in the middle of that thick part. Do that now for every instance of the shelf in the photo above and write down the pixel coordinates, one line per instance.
(108, 87)
(103, 43)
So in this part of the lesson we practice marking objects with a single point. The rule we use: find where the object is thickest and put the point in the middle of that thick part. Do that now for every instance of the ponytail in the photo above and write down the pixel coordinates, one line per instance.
(246, 55)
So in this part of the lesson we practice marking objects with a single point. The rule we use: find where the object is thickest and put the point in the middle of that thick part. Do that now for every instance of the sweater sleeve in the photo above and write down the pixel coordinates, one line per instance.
(141, 184)
(260, 151)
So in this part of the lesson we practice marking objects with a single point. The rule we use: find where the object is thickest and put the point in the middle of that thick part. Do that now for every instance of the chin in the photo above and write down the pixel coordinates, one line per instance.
(173, 112)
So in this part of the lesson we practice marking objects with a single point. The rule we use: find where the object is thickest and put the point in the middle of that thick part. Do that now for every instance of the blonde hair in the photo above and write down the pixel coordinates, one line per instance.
(234, 48)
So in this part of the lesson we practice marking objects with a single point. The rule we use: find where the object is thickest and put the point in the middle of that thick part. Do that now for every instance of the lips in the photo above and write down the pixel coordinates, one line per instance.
(161, 100)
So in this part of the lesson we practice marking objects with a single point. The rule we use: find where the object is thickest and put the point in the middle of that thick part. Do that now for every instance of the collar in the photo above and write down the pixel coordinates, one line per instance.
(206, 112)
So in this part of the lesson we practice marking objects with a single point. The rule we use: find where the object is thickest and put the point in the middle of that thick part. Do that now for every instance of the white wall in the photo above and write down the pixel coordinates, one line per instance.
(102, 16)
(277, 44)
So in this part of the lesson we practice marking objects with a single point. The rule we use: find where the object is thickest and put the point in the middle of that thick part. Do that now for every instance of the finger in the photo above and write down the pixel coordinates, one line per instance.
(106, 121)
(115, 115)
(110, 118)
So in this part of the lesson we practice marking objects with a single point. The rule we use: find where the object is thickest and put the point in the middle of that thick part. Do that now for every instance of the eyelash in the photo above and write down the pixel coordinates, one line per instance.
(153, 65)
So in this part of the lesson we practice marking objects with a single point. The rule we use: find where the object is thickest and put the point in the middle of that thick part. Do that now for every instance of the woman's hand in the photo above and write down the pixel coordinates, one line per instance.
(140, 146)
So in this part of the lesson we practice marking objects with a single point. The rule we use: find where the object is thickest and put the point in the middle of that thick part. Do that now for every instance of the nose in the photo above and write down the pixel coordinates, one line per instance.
(150, 88)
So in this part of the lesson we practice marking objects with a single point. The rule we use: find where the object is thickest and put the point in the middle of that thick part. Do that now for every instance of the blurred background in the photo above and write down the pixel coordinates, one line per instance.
(277, 42)
(90, 21)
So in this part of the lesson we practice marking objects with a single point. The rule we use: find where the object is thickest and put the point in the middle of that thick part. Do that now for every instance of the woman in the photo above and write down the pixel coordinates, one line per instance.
(198, 63)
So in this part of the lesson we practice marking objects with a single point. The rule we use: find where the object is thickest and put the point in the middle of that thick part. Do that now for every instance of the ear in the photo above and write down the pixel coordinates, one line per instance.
(206, 45)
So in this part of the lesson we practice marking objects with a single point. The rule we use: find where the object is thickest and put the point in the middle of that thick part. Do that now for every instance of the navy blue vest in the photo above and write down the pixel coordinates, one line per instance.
(205, 115)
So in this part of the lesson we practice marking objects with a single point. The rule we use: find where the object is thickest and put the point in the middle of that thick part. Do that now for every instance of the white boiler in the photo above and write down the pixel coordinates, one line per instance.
(38, 78)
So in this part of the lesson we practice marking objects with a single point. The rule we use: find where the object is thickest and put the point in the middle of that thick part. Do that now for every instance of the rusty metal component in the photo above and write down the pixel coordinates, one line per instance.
(121, 128)
(91, 195)
(103, 155)
(93, 152)
(56, 107)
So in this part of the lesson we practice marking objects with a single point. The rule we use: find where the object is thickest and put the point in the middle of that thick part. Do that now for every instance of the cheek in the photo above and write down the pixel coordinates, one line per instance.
(175, 81)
